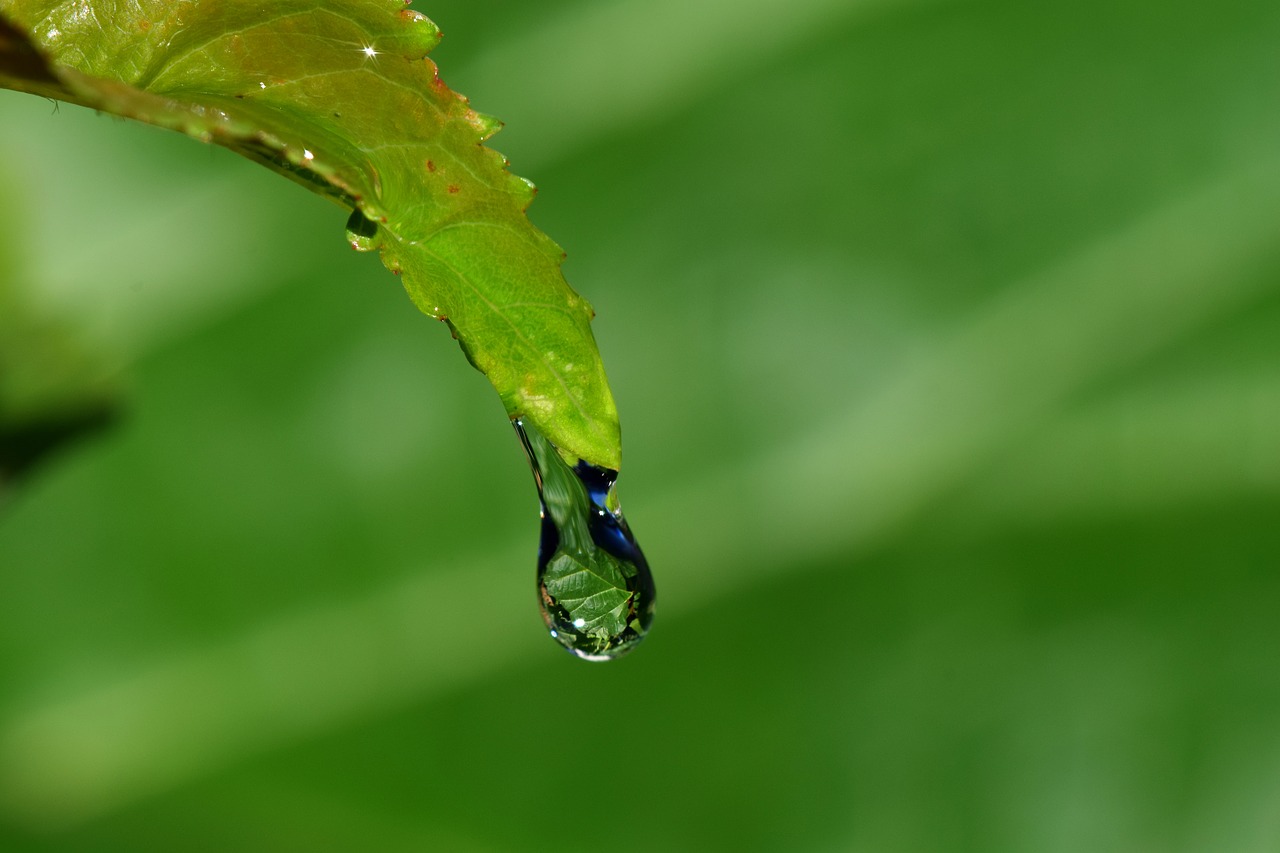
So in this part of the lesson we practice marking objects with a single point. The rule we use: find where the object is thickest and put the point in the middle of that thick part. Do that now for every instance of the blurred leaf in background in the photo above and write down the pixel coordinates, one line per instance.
(52, 391)
(947, 336)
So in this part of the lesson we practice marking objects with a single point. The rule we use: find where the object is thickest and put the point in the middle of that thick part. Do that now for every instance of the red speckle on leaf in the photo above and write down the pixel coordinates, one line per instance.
(453, 188)
(144, 25)
(431, 167)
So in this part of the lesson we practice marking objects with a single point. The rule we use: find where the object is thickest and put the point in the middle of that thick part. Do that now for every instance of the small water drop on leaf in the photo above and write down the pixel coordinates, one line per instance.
(362, 232)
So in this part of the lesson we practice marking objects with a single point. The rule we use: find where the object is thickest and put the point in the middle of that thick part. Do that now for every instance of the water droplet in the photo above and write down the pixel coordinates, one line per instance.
(362, 232)
(594, 587)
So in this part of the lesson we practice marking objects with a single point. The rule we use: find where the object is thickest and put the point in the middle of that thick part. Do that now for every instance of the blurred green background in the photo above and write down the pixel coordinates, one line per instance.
(946, 337)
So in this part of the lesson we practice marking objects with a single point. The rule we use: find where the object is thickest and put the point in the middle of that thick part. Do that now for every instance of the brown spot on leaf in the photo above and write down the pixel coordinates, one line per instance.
(431, 166)
(453, 188)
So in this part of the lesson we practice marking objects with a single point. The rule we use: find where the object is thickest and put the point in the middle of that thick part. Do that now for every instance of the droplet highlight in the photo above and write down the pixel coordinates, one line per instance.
(595, 590)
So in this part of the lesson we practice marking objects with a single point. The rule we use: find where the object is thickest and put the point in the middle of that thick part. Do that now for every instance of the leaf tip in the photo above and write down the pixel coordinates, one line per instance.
(426, 34)
(487, 125)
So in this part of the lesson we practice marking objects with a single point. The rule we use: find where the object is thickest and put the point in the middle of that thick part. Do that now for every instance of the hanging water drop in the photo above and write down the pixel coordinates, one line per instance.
(594, 587)
(362, 232)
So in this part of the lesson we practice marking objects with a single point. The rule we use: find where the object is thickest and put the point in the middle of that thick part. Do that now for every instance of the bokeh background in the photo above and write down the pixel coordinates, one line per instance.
(946, 337)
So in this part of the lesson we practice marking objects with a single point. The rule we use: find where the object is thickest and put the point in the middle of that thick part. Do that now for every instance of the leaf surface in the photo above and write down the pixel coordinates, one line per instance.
(339, 95)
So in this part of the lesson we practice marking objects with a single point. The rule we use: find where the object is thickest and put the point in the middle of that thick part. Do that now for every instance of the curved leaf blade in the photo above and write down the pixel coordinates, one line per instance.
(340, 96)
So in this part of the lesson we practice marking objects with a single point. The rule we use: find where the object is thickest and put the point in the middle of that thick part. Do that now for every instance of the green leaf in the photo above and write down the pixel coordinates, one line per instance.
(339, 96)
